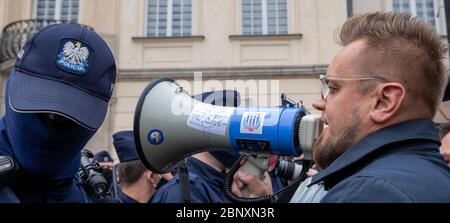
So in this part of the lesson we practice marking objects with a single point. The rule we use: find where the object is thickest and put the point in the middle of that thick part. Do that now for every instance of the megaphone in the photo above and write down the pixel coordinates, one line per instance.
(170, 125)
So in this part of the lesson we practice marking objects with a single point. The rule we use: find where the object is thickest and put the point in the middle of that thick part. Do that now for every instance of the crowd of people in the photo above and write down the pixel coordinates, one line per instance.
(379, 97)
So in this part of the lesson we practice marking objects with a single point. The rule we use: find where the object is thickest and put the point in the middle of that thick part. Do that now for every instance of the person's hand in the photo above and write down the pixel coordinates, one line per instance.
(446, 156)
(257, 187)
(312, 171)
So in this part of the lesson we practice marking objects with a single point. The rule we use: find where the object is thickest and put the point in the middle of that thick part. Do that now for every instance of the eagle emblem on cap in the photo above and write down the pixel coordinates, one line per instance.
(73, 57)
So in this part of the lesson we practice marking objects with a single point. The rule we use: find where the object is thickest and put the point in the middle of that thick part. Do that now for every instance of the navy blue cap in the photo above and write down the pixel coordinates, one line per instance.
(221, 98)
(125, 146)
(66, 69)
(103, 156)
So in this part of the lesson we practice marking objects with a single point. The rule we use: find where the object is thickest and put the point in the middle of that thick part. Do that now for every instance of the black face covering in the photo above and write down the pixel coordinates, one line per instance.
(225, 157)
(46, 147)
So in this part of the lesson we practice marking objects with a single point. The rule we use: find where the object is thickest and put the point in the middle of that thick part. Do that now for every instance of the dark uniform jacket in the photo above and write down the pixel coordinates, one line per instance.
(124, 198)
(399, 163)
(206, 185)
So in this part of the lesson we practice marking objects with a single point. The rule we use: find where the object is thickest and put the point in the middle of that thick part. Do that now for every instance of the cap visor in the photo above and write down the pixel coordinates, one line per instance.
(34, 94)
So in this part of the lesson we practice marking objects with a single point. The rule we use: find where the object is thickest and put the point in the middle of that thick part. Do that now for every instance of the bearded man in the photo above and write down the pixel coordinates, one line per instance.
(379, 97)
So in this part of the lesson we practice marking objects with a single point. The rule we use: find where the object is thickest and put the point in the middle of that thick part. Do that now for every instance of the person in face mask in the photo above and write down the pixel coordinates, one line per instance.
(56, 98)
(137, 183)
(206, 170)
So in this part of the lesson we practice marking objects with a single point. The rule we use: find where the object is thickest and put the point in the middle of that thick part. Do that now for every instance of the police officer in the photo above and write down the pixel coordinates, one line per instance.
(56, 99)
(206, 170)
(137, 183)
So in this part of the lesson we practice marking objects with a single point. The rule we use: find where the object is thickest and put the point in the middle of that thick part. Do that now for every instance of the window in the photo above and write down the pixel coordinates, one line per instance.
(421, 8)
(57, 9)
(262, 17)
(168, 17)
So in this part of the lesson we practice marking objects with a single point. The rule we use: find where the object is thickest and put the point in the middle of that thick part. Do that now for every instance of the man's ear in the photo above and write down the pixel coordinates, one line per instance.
(388, 99)
(150, 177)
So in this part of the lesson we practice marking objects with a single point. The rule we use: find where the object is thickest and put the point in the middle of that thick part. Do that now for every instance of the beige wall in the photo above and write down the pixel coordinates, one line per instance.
(216, 20)
(102, 16)
(140, 60)
(369, 5)
(13, 10)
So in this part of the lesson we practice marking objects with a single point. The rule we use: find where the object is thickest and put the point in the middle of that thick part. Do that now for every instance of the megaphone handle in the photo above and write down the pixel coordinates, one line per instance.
(256, 165)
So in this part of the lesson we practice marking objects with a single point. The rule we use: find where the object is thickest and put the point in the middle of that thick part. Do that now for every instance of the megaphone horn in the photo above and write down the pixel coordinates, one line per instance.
(170, 125)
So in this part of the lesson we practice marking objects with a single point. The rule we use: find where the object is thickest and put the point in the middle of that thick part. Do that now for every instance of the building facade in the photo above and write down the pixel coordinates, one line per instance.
(268, 46)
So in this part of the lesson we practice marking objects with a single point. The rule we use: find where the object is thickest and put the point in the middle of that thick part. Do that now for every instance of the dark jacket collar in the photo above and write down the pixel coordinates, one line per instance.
(407, 130)
(124, 198)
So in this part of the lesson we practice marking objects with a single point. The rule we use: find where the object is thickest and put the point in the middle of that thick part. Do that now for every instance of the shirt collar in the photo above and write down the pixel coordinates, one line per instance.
(413, 129)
